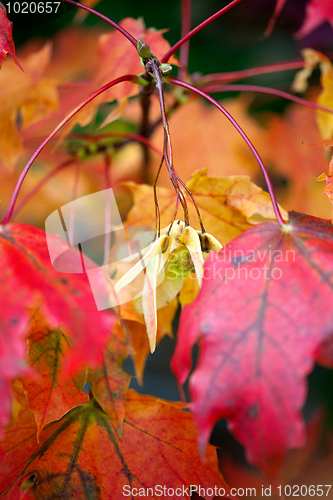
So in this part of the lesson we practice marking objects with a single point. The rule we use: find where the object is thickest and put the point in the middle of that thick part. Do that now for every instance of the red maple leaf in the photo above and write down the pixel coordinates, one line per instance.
(81, 456)
(317, 12)
(28, 281)
(6, 39)
(260, 318)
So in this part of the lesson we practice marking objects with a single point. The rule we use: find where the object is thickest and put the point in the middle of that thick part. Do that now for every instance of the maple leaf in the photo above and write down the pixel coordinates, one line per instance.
(25, 99)
(109, 382)
(300, 84)
(298, 189)
(260, 316)
(65, 301)
(50, 392)
(6, 38)
(240, 475)
(118, 57)
(317, 12)
(74, 66)
(239, 193)
(225, 204)
(82, 456)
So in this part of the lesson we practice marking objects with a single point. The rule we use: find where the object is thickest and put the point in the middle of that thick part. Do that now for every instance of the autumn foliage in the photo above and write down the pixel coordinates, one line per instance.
(228, 268)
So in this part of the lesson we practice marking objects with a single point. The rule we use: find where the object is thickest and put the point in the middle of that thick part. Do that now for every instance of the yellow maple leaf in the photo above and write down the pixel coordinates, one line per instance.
(25, 99)
(235, 191)
(222, 214)
(312, 58)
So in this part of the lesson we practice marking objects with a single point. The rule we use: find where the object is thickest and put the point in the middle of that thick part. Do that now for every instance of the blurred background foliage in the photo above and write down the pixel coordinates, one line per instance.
(234, 41)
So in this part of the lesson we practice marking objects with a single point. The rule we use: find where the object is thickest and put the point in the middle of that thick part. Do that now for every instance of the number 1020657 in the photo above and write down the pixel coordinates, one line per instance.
(32, 7)
(321, 490)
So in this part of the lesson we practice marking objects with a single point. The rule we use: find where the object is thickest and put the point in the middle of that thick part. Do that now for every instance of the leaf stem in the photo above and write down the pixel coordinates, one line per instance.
(264, 90)
(131, 38)
(152, 65)
(185, 85)
(231, 76)
(194, 203)
(195, 30)
(184, 49)
(247, 73)
(124, 78)
(145, 126)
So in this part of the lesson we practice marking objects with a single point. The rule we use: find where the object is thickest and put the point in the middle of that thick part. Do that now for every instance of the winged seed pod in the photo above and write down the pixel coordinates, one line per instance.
(167, 261)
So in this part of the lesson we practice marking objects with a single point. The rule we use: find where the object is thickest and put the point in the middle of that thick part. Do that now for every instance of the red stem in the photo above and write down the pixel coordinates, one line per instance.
(264, 90)
(185, 85)
(123, 78)
(205, 23)
(246, 73)
(70, 161)
(184, 49)
(131, 38)
(277, 11)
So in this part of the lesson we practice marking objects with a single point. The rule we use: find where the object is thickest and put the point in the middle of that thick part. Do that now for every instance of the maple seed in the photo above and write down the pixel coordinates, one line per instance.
(208, 242)
(157, 258)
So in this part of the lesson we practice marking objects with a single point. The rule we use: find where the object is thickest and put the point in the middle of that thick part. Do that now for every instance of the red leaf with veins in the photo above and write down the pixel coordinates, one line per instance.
(262, 312)
(27, 280)
(50, 393)
(81, 456)
(6, 39)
